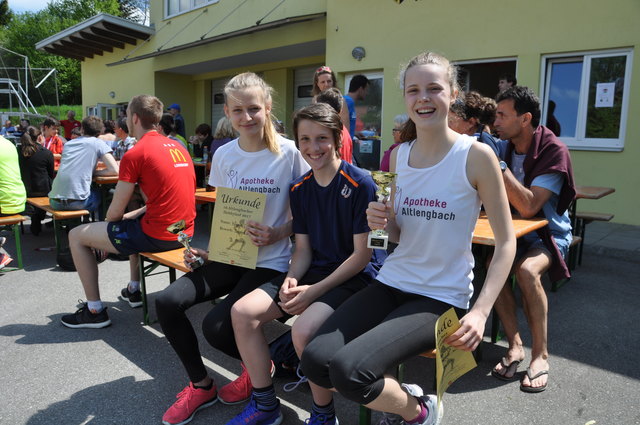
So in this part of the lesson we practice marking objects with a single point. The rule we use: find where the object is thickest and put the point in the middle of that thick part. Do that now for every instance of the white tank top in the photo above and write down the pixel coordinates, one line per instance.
(436, 209)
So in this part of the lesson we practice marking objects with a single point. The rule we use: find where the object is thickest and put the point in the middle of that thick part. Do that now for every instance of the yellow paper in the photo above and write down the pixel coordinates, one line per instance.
(451, 363)
(228, 243)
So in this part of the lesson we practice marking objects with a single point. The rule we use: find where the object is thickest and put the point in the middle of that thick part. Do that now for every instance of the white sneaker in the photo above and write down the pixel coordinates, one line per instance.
(435, 412)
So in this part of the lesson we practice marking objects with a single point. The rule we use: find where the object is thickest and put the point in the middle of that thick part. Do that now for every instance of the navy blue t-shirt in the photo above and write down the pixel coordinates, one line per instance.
(331, 215)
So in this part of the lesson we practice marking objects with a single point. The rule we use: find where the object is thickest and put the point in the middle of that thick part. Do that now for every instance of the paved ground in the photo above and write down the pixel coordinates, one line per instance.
(128, 374)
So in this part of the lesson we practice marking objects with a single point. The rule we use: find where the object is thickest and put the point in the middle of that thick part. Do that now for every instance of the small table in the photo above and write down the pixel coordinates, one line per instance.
(202, 197)
(483, 235)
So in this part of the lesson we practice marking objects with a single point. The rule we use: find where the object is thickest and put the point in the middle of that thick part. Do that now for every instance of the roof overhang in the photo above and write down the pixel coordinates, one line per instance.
(238, 33)
(94, 36)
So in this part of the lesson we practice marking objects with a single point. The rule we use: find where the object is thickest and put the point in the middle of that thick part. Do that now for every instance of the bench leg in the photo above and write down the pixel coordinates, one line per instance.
(16, 232)
(143, 290)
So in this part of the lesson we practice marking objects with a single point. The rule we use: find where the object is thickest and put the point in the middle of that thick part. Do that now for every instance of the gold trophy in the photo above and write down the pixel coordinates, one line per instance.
(379, 239)
(177, 229)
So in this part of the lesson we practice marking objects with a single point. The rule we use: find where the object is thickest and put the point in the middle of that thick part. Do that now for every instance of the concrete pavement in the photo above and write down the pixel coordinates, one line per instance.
(128, 373)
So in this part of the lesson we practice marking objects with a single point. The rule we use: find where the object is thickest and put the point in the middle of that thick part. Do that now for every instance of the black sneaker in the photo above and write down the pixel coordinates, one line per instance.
(133, 298)
(84, 318)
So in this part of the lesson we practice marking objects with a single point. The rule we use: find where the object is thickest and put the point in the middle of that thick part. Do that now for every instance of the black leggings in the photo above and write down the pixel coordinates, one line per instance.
(374, 330)
(207, 283)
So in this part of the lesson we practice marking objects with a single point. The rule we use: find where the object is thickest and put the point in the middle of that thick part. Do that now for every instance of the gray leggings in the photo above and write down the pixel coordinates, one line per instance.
(374, 330)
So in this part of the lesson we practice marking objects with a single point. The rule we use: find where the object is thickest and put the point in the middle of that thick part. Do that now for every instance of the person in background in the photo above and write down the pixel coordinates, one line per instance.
(7, 128)
(224, 134)
(36, 167)
(505, 81)
(52, 141)
(69, 124)
(71, 189)
(324, 78)
(164, 172)
(201, 140)
(333, 98)
(125, 142)
(75, 133)
(13, 196)
(473, 114)
(108, 135)
(538, 176)
(358, 88)
(166, 127)
(398, 123)
(174, 110)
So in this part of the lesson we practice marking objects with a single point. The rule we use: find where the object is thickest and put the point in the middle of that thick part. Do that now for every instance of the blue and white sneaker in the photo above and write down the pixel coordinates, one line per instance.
(252, 416)
(315, 419)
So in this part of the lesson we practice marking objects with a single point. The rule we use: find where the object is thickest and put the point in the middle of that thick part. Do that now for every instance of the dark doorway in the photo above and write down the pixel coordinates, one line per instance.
(483, 77)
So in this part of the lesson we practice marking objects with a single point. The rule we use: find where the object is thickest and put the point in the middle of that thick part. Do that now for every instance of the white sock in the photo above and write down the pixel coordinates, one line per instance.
(134, 286)
(95, 306)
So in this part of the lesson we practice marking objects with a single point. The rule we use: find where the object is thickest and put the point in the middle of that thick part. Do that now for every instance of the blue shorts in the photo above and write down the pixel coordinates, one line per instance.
(91, 204)
(525, 246)
(128, 238)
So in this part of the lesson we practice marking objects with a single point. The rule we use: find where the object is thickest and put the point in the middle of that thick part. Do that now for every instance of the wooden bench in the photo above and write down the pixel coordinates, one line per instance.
(61, 219)
(12, 222)
(582, 219)
(173, 260)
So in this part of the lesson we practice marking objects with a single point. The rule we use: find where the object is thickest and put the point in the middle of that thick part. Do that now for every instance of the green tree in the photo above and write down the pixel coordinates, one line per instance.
(5, 13)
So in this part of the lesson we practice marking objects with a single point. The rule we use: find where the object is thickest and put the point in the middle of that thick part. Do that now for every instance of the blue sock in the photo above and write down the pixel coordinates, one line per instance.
(95, 306)
(329, 411)
(265, 398)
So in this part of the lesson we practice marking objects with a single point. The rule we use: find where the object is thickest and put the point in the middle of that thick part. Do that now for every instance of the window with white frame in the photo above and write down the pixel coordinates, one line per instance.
(175, 7)
(585, 98)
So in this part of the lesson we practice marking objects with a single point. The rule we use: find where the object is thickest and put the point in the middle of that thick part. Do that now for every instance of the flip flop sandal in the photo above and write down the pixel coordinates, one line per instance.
(530, 389)
(507, 369)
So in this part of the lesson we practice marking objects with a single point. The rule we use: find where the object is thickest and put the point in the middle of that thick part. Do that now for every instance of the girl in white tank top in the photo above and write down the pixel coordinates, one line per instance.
(442, 179)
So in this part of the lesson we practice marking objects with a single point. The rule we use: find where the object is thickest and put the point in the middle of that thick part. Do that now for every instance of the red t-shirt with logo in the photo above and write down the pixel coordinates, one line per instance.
(69, 125)
(164, 171)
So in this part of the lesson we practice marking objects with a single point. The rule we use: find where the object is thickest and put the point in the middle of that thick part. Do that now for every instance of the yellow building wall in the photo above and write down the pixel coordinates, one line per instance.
(465, 30)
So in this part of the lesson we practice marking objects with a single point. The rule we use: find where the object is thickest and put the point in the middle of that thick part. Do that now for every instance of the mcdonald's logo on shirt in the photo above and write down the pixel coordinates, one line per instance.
(178, 158)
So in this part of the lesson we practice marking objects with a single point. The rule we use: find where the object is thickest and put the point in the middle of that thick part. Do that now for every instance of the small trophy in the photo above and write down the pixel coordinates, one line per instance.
(379, 239)
(177, 229)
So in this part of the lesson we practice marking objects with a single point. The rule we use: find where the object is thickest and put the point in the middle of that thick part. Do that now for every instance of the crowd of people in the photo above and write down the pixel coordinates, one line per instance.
(360, 313)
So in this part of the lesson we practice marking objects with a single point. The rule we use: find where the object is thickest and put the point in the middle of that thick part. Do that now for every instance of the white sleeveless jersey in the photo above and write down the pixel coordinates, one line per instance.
(436, 209)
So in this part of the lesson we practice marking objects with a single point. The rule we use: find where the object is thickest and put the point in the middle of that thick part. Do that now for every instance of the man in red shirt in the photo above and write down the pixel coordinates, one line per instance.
(69, 124)
(163, 170)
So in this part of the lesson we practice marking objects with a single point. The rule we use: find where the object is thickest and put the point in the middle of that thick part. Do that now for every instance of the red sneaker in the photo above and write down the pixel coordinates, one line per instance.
(190, 400)
(239, 390)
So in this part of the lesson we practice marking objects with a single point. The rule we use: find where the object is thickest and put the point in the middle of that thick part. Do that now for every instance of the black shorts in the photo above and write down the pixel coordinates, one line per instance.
(333, 298)
(128, 238)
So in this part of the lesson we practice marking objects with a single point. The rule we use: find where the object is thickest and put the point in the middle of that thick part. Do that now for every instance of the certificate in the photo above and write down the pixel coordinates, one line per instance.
(228, 242)
(451, 363)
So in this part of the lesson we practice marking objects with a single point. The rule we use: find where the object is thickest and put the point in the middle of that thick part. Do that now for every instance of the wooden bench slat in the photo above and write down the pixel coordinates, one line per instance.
(11, 219)
(594, 216)
(173, 258)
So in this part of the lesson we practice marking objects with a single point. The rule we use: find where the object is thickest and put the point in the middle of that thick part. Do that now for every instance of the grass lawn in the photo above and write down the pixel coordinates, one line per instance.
(59, 113)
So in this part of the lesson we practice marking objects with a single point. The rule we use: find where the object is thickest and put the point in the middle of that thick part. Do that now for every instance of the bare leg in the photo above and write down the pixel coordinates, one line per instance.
(81, 240)
(134, 263)
(534, 299)
(506, 308)
(248, 316)
(304, 328)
